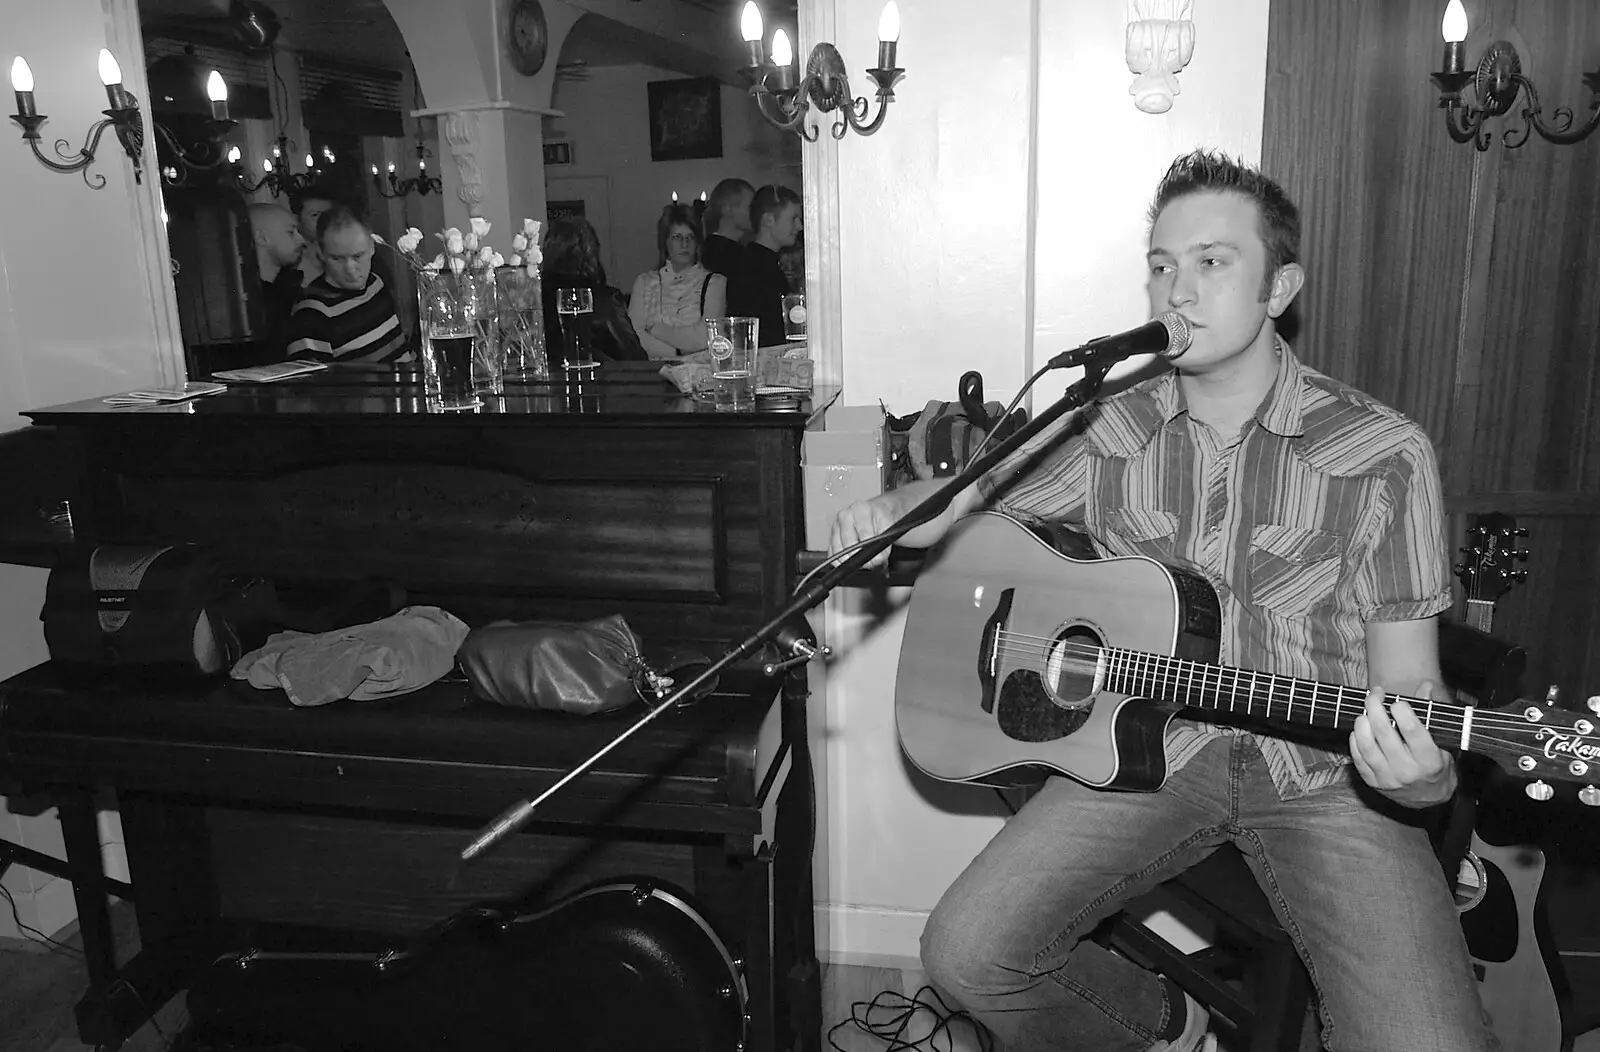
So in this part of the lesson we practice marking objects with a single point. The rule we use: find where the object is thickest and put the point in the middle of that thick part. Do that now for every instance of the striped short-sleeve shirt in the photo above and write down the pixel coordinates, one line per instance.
(347, 325)
(1323, 514)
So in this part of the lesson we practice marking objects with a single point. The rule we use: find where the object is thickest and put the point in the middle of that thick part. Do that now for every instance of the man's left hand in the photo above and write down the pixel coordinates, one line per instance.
(1396, 755)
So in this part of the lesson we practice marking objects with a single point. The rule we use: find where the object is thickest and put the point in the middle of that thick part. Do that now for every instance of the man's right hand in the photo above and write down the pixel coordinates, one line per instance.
(868, 518)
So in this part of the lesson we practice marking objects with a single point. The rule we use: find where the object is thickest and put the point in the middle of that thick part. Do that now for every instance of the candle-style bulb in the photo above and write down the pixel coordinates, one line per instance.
(1455, 22)
(110, 72)
(391, 166)
(309, 162)
(422, 165)
(216, 87)
(782, 53)
(674, 197)
(889, 23)
(374, 171)
(266, 166)
(702, 195)
(21, 75)
(750, 22)
(233, 155)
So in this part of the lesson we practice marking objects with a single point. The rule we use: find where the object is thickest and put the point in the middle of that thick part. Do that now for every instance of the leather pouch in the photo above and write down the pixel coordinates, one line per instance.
(558, 666)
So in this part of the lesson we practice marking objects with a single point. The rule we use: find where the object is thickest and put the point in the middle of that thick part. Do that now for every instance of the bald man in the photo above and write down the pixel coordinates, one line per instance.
(279, 247)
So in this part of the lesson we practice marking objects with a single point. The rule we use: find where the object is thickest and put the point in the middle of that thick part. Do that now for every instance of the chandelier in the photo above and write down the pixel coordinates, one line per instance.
(1496, 84)
(422, 183)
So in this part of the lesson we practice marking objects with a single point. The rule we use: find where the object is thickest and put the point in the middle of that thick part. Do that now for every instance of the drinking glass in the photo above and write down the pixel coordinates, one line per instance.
(794, 317)
(574, 310)
(732, 343)
(451, 308)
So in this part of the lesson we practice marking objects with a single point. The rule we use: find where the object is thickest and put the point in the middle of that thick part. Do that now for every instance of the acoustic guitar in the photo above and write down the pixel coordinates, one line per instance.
(1499, 888)
(1017, 658)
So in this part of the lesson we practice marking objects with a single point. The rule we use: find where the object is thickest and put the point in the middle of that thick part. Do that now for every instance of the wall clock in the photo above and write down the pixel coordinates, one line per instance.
(527, 37)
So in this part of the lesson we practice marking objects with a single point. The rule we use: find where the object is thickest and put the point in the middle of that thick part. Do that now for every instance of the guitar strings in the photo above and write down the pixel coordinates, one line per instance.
(1451, 716)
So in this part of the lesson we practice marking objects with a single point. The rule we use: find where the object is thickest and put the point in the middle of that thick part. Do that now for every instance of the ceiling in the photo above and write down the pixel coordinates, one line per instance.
(363, 32)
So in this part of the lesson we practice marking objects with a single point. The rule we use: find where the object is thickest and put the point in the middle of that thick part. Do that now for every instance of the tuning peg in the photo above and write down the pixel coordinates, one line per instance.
(1594, 704)
(1520, 531)
(1520, 553)
(1551, 693)
(1519, 575)
(1589, 795)
(1539, 791)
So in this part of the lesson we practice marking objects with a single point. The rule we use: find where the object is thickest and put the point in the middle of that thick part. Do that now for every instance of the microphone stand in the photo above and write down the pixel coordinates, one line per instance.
(789, 628)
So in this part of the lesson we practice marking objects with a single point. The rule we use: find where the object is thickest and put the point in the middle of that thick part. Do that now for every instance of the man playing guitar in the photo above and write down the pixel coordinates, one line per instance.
(1315, 513)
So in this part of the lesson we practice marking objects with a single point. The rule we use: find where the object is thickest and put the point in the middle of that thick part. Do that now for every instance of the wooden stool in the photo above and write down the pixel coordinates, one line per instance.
(1251, 981)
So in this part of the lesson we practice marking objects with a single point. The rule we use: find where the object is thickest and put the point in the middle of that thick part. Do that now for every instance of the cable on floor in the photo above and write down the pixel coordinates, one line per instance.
(890, 1015)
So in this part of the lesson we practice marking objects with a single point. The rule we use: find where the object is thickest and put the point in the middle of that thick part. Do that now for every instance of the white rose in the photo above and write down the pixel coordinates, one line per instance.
(409, 241)
(434, 267)
(497, 260)
(412, 231)
(485, 254)
(471, 242)
(378, 240)
(535, 255)
(519, 242)
(531, 228)
(515, 260)
(480, 226)
(450, 232)
(455, 245)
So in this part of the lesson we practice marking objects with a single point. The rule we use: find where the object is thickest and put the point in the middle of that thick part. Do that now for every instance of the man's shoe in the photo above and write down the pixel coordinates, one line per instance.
(1195, 1036)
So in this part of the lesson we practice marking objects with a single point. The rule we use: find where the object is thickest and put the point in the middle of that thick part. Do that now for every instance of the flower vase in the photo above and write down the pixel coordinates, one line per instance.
(457, 314)
(521, 303)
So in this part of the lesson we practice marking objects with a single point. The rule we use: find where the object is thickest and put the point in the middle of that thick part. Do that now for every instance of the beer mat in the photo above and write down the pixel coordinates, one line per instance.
(266, 374)
(165, 395)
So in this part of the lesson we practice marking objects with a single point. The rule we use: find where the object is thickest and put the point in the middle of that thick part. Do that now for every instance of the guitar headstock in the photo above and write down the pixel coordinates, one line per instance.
(1540, 741)
(1489, 569)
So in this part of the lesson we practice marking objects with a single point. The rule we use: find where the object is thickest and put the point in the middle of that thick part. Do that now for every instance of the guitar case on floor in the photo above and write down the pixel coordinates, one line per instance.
(625, 964)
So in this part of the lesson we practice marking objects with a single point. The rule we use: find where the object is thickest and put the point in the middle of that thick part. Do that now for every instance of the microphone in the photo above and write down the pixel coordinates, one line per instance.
(1167, 335)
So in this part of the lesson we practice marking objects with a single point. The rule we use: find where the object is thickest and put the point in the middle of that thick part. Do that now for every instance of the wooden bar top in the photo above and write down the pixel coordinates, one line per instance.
(616, 393)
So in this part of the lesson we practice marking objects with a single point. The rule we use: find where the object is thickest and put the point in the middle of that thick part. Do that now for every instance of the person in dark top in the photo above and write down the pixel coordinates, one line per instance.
(727, 224)
(347, 313)
(756, 289)
(572, 260)
(278, 249)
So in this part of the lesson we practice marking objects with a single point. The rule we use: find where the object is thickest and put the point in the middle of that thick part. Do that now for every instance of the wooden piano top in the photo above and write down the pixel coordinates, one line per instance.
(437, 751)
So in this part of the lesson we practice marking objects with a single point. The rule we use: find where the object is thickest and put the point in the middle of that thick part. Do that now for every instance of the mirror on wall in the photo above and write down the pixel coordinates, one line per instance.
(322, 93)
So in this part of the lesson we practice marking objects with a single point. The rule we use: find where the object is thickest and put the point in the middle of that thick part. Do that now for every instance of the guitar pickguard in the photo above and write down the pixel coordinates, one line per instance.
(1026, 712)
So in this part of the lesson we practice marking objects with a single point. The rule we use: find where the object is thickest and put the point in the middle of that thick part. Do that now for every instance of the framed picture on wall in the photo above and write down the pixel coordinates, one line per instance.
(685, 119)
(554, 210)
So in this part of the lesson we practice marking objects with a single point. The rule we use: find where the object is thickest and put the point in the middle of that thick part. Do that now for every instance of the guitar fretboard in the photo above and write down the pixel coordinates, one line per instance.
(1262, 694)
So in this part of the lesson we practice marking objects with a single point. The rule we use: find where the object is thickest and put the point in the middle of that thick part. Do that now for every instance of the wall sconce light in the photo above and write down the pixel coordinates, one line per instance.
(784, 103)
(1496, 83)
(1160, 43)
(123, 116)
(180, 164)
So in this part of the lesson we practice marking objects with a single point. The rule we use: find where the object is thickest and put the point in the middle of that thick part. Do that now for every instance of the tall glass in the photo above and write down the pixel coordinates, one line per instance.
(456, 313)
(574, 311)
(522, 324)
(732, 343)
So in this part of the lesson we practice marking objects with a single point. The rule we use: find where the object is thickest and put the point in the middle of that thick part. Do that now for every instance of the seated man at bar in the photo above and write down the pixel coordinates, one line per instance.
(347, 314)
(278, 250)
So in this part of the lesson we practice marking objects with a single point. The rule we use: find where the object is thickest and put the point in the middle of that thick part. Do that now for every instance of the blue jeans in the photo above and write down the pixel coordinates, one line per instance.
(1360, 893)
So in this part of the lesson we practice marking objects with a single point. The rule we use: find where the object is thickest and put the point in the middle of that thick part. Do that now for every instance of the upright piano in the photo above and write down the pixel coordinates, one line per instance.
(247, 819)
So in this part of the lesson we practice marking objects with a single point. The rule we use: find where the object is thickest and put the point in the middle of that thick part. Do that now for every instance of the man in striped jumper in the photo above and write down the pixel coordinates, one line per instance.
(347, 313)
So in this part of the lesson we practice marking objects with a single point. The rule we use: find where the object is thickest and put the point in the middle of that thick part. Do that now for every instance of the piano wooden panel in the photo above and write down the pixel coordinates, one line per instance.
(245, 816)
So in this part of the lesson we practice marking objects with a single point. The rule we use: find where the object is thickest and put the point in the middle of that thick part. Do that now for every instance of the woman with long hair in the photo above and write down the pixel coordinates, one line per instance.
(669, 305)
(572, 260)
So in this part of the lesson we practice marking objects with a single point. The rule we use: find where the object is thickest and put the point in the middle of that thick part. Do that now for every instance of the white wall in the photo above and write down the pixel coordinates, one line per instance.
(995, 219)
(76, 316)
(607, 122)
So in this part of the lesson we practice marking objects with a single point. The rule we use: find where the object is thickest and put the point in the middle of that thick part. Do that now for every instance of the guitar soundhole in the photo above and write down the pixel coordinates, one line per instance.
(1026, 711)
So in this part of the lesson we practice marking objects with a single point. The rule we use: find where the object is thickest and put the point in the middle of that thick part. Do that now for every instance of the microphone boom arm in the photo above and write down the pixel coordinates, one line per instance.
(789, 626)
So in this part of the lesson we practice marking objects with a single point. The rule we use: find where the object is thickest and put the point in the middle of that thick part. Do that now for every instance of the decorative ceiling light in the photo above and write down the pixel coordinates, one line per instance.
(1160, 43)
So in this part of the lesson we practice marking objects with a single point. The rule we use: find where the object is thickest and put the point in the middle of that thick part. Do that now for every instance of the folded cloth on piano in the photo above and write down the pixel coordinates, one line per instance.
(401, 653)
